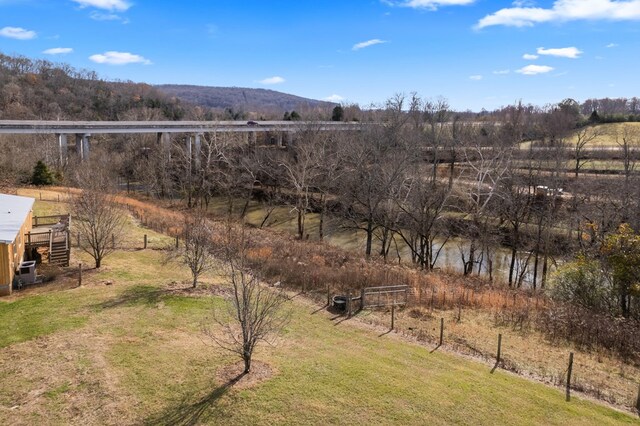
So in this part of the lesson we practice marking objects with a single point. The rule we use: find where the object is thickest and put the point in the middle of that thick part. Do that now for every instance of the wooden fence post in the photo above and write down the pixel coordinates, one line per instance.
(78, 239)
(177, 242)
(113, 241)
(362, 298)
(58, 197)
(80, 275)
(349, 305)
(393, 316)
(441, 331)
(499, 349)
(328, 295)
(569, 376)
(145, 241)
(638, 401)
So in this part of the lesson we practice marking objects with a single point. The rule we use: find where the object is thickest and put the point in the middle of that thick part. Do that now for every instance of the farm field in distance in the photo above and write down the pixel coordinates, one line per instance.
(127, 348)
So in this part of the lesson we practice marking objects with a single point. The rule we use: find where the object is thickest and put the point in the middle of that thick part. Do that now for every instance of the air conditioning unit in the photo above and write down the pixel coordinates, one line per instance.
(27, 272)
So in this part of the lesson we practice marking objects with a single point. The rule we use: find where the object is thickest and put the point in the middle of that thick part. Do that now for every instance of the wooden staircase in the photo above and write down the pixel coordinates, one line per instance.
(59, 253)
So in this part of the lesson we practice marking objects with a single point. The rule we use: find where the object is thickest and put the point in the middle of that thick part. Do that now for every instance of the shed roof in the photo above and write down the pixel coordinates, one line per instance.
(13, 212)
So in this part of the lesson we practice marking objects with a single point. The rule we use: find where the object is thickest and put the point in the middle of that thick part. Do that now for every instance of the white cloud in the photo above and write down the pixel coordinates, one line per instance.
(119, 58)
(98, 16)
(563, 52)
(529, 57)
(428, 4)
(502, 72)
(367, 43)
(610, 45)
(475, 77)
(563, 11)
(17, 33)
(58, 51)
(334, 98)
(120, 5)
(273, 80)
(534, 69)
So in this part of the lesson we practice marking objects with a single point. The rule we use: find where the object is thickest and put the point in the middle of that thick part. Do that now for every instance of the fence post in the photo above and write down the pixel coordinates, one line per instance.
(113, 241)
(349, 305)
(145, 241)
(78, 239)
(328, 296)
(58, 197)
(638, 401)
(80, 275)
(569, 376)
(499, 349)
(177, 242)
(362, 298)
(41, 196)
(441, 331)
(393, 316)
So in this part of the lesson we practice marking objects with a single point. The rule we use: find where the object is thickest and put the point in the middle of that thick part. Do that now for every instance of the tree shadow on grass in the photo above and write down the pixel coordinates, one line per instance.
(137, 295)
(187, 413)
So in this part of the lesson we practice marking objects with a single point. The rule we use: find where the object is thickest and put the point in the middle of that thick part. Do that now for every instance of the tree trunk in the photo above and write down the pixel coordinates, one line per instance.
(369, 236)
(247, 363)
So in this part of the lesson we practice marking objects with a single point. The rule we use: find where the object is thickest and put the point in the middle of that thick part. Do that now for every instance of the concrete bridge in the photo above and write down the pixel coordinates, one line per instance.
(82, 130)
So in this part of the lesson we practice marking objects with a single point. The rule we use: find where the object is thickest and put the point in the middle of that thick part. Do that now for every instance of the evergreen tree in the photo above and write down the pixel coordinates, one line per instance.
(338, 113)
(41, 175)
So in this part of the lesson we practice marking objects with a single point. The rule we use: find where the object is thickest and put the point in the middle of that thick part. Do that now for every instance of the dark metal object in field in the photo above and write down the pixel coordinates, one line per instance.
(339, 302)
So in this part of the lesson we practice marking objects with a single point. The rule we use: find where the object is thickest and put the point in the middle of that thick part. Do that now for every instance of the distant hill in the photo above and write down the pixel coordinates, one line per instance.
(241, 98)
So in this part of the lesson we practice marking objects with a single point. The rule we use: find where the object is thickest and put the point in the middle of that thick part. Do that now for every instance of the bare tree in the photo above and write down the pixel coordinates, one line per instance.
(196, 253)
(99, 220)
(255, 313)
(582, 138)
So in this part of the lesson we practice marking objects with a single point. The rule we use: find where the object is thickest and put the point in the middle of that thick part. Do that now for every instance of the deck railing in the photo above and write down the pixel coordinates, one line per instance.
(51, 220)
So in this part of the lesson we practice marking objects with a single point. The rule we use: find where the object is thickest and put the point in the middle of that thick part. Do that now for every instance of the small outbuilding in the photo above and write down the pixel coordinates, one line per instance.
(16, 219)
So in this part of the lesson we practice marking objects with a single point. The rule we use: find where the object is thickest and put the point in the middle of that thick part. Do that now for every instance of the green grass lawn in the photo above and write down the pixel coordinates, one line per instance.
(135, 352)
(128, 348)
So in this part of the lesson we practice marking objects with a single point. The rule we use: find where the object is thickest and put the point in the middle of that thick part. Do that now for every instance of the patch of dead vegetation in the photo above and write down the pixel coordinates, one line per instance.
(233, 374)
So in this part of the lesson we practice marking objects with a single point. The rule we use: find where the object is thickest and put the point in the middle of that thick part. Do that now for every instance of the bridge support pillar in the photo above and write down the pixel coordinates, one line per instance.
(279, 139)
(82, 145)
(253, 138)
(62, 148)
(289, 138)
(164, 140)
(198, 150)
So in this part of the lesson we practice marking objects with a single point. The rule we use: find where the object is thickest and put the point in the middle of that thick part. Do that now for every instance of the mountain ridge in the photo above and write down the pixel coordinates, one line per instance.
(240, 98)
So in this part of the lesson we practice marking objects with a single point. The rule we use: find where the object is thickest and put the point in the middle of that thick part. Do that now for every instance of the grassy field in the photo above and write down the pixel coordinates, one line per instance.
(608, 135)
(127, 348)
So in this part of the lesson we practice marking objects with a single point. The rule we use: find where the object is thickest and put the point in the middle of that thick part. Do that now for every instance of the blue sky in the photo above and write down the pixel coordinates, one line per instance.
(472, 52)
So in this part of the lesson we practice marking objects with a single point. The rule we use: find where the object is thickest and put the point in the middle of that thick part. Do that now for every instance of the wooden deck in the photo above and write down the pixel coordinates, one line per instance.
(50, 236)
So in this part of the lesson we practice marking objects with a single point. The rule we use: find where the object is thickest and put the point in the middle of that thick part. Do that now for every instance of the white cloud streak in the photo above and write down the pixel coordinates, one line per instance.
(17, 33)
(111, 5)
(502, 72)
(611, 45)
(368, 43)
(334, 98)
(563, 52)
(273, 80)
(475, 77)
(58, 51)
(98, 16)
(529, 57)
(535, 69)
(119, 58)
(564, 11)
(428, 4)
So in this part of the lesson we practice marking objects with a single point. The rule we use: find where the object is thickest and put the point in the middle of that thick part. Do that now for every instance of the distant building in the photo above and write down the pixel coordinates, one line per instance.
(16, 218)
